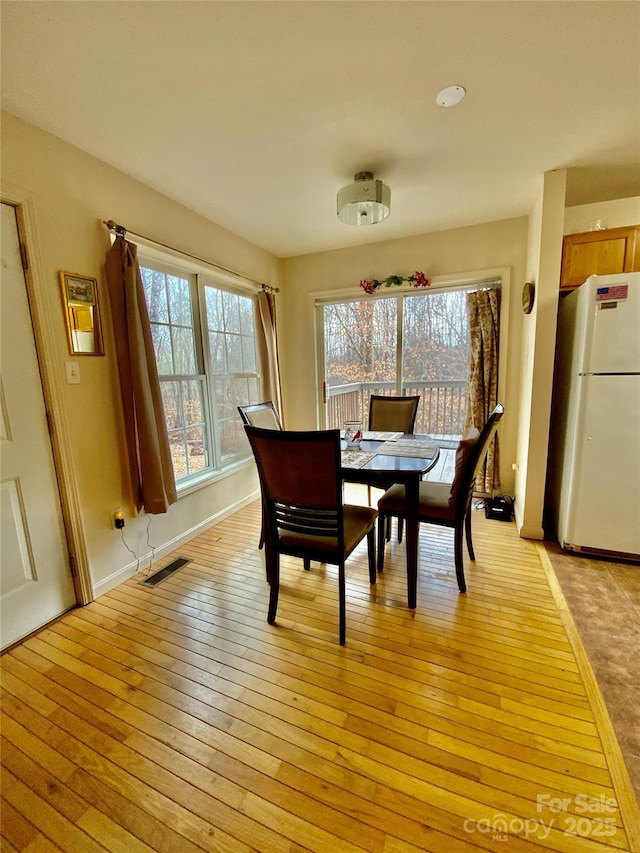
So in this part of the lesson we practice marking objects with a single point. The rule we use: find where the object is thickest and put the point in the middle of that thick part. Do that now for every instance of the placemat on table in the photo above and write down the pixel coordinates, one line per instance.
(355, 458)
(381, 436)
(420, 449)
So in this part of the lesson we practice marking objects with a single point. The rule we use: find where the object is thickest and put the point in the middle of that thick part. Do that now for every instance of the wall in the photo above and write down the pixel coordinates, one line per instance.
(446, 253)
(72, 193)
(538, 349)
(614, 214)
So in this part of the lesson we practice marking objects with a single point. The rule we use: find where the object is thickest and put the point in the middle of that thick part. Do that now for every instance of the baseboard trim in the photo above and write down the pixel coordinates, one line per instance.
(144, 561)
(530, 532)
(527, 532)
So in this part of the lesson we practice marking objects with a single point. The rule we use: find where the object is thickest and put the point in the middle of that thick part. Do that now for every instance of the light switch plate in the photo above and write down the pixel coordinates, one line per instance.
(73, 373)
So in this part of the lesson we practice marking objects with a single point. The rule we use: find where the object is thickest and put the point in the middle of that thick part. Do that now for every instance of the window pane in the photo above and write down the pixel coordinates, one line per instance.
(360, 355)
(231, 442)
(193, 402)
(231, 312)
(179, 301)
(249, 355)
(155, 294)
(171, 403)
(436, 336)
(218, 354)
(213, 300)
(161, 336)
(436, 359)
(246, 317)
(178, 454)
(254, 391)
(241, 392)
(197, 449)
(224, 400)
(360, 342)
(183, 350)
(234, 354)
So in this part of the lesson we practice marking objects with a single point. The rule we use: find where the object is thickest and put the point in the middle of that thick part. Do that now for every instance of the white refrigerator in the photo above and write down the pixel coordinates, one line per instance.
(595, 429)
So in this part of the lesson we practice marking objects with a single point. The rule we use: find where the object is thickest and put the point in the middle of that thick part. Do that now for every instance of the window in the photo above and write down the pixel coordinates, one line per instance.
(410, 343)
(203, 334)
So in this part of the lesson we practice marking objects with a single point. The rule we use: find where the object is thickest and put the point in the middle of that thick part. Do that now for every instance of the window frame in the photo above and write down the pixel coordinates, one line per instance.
(199, 274)
(462, 281)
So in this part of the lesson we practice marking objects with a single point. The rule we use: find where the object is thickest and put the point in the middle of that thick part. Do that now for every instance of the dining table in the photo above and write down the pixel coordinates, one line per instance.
(395, 458)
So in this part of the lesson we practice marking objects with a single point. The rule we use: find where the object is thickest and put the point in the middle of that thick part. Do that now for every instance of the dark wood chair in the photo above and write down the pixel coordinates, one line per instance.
(265, 416)
(262, 415)
(304, 514)
(391, 414)
(444, 505)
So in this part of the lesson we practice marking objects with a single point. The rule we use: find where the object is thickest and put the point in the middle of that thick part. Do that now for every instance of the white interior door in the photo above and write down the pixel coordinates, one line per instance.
(35, 578)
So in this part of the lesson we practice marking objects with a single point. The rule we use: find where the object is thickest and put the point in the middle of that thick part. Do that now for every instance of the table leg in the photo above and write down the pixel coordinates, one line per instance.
(412, 492)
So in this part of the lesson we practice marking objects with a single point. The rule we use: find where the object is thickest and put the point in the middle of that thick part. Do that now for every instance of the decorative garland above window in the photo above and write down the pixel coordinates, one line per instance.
(418, 279)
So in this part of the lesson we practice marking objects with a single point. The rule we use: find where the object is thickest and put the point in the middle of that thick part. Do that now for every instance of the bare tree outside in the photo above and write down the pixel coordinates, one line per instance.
(361, 356)
(229, 327)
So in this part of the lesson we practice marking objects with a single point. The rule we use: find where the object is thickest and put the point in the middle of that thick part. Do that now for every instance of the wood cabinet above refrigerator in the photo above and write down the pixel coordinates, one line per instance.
(612, 250)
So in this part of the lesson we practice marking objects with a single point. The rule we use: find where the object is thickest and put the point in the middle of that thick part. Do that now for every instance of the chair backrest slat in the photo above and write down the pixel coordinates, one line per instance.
(306, 520)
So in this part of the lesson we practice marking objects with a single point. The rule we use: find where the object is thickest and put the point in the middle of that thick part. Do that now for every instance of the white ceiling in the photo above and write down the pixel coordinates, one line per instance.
(254, 114)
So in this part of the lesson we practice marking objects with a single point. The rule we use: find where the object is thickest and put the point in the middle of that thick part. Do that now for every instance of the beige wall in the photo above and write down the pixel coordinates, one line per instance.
(614, 214)
(538, 350)
(71, 193)
(454, 253)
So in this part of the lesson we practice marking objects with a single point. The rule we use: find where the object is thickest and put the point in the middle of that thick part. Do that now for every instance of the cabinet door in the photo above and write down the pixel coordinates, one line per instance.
(599, 253)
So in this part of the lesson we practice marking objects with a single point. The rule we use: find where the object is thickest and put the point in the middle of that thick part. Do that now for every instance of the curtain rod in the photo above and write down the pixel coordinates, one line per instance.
(121, 231)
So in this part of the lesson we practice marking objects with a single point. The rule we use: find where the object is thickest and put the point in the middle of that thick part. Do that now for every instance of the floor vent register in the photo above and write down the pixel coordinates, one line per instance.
(164, 573)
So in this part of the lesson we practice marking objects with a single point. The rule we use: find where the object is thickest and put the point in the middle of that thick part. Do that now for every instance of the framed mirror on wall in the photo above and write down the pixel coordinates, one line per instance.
(82, 314)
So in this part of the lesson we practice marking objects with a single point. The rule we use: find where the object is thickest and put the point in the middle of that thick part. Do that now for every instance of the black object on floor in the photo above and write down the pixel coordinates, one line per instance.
(500, 507)
(164, 573)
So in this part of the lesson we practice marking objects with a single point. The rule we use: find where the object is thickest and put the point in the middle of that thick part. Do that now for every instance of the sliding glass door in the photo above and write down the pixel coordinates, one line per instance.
(360, 355)
(435, 359)
(410, 343)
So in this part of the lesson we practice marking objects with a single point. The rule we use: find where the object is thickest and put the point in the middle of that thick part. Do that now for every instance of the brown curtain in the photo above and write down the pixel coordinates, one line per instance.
(267, 341)
(152, 480)
(483, 309)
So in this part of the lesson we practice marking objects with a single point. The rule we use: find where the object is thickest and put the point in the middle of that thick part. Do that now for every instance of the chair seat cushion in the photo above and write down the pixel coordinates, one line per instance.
(434, 501)
(358, 521)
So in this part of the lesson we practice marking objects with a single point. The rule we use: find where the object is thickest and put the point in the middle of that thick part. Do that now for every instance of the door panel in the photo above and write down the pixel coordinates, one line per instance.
(35, 579)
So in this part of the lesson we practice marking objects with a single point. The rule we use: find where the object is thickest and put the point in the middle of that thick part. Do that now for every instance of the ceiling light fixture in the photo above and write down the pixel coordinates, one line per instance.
(365, 202)
(450, 96)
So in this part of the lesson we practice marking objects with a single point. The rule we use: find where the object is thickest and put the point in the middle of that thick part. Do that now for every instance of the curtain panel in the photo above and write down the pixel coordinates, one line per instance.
(267, 341)
(483, 308)
(153, 485)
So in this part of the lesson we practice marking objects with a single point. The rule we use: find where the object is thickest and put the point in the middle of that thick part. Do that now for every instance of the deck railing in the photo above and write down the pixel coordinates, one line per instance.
(442, 409)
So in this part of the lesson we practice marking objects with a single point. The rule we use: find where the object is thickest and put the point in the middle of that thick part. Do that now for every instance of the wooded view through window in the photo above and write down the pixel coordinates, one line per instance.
(207, 366)
(406, 344)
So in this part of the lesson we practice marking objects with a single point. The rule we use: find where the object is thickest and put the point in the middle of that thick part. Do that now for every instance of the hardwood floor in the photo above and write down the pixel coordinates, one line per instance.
(176, 719)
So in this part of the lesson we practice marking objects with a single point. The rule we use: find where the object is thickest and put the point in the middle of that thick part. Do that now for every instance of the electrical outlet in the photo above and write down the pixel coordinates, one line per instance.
(118, 519)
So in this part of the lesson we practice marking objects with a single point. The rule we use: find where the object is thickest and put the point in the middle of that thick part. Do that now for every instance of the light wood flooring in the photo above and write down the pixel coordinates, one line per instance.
(176, 719)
